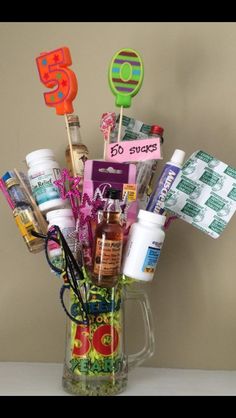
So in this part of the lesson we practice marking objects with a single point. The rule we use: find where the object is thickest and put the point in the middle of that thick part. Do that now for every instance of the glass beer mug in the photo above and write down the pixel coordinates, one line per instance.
(96, 362)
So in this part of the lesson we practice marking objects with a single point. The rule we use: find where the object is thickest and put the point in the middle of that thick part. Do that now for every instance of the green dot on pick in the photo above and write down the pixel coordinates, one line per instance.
(58, 75)
(52, 98)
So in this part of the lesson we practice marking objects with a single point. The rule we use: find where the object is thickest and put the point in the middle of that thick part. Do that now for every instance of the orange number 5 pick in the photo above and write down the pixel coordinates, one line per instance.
(53, 72)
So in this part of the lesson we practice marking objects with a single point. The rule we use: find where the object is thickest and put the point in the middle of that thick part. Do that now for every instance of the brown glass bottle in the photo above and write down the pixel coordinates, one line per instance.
(108, 243)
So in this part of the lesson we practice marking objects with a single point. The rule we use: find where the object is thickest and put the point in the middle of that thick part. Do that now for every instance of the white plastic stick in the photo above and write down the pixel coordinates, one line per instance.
(120, 124)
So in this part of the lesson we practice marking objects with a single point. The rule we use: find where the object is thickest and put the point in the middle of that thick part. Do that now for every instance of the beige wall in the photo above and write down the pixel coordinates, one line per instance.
(190, 89)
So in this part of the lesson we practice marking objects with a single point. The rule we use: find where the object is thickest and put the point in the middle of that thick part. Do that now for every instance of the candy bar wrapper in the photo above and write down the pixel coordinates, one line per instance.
(204, 193)
(131, 129)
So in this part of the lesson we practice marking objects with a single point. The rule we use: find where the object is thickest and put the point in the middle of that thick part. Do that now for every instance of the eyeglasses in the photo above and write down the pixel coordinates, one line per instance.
(67, 267)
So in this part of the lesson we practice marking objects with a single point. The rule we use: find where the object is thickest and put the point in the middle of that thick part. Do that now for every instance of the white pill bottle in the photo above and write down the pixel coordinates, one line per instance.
(43, 171)
(144, 245)
(63, 218)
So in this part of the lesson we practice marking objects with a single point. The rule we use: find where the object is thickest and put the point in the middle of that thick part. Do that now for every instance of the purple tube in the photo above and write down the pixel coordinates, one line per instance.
(164, 183)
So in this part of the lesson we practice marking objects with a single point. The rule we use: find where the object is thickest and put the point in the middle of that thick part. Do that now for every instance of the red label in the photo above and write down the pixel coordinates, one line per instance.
(105, 340)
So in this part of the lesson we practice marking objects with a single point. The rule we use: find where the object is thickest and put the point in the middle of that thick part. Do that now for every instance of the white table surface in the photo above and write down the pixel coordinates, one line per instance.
(44, 379)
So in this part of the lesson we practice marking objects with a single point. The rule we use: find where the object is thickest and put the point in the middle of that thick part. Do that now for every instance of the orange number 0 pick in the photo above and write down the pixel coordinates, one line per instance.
(53, 72)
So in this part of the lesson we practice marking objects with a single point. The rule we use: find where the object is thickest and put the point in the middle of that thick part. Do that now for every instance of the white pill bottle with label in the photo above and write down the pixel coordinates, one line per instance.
(65, 220)
(43, 171)
(144, 245)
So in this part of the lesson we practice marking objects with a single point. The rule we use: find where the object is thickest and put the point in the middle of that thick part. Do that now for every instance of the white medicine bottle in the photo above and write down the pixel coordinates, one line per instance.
(43, 171)
(144, 245)
(63, 218)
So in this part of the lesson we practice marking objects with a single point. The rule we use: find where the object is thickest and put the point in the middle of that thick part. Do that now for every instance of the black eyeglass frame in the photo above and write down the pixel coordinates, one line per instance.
(71, 273)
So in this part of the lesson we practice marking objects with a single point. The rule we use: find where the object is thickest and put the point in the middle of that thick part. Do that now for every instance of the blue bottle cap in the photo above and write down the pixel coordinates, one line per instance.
(6, 176)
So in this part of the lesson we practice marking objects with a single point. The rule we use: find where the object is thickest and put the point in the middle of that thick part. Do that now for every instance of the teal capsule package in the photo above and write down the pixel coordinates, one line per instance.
(204, 193)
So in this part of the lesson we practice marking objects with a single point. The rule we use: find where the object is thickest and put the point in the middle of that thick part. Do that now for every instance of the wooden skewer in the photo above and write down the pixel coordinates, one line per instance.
(42, 222)
(70, 145)
(120, 124)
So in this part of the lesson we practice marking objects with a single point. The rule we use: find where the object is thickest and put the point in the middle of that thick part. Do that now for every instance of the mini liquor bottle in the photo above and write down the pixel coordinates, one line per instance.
(80, 151)
(23, 213)
(108, 243)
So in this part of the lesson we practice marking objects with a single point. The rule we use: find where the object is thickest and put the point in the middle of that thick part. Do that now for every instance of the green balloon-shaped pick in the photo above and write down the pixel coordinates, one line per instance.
(125, 75)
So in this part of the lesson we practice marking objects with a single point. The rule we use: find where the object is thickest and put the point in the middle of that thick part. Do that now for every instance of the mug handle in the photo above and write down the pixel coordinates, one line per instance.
(148, 349)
